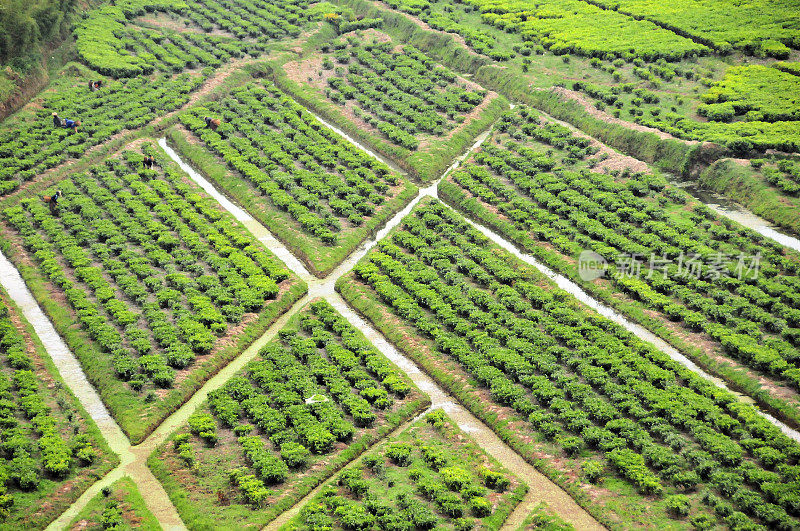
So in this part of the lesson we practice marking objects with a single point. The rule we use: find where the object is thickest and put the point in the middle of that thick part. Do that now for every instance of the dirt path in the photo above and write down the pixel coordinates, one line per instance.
(219, 76)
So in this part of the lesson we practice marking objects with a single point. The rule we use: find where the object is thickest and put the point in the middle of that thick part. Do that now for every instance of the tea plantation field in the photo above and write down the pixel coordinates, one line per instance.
(566, 381)
(313, 399)
(400, 265)
(152, 283)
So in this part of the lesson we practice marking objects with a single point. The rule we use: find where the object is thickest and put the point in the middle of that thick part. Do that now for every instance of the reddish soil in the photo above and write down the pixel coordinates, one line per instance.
(232, 337)
(310, 72)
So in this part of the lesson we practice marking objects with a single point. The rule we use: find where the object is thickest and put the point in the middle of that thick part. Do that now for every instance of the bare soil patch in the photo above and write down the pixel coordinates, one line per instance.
(163, 20)
(614, 160)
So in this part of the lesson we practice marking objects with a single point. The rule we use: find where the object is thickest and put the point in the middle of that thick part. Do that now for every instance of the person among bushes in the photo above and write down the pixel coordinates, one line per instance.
(56, 120)
(148, 162)
(212, 123)
(72, 124)
(95, 85)
(52, 200)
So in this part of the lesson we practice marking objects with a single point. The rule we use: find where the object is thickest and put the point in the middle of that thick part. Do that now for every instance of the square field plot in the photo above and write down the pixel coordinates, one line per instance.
(51, 451)
(728, 296)
(431, 475)
(394, 98)
(152, 284)
(315, 191)
(313, 400)
(312, 189)
(647, 438)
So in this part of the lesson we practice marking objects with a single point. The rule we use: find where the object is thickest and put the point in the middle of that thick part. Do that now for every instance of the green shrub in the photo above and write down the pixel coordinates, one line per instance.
(593, 470)
(480, 506)
(294, 454)
(399, 453)
(678, 505)
(495, 480)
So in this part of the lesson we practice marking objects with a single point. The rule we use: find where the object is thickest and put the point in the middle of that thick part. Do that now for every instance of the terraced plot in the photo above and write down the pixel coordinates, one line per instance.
(315, 191)
(50, 452)
(429, 476)
(314, 399)
(152, 285)
(564, 384)
(394, 98)
(575, 26)
(765, 26)
(257, 19)
(644, 29)
(111, 46)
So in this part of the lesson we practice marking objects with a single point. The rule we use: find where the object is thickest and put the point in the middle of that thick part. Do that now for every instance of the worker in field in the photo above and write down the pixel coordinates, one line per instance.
(95, 85)
(212, 123)
(149, 161)
(72, 124)
(56, 120)
(52, 200)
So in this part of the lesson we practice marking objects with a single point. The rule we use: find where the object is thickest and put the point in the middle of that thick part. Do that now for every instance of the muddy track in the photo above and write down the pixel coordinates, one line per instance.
(131, 458)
